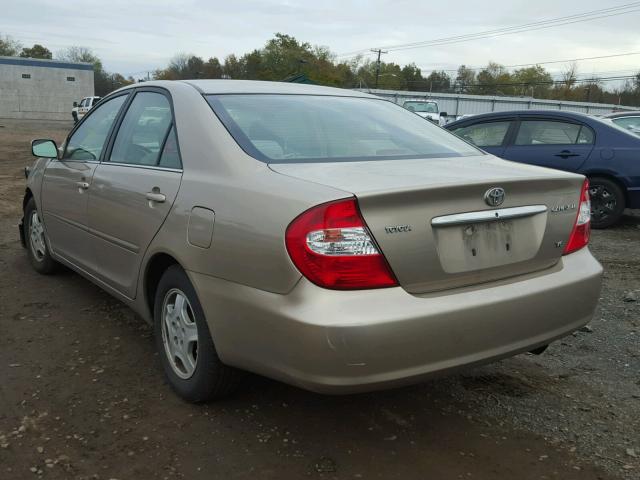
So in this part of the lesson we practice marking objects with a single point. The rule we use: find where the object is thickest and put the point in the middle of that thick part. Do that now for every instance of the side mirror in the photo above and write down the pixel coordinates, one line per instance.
(443, 114)
(75, 104)
(44, 148)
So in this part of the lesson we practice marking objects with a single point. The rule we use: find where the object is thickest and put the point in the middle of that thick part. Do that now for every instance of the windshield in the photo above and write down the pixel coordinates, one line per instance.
(307, 128)
(426, 107)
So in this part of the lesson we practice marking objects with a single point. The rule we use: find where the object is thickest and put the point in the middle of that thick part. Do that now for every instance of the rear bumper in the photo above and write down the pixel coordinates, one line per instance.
(343, 342)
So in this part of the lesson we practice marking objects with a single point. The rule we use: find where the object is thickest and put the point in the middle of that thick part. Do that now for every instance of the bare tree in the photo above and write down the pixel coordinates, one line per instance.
(9, 47)
(569, 77)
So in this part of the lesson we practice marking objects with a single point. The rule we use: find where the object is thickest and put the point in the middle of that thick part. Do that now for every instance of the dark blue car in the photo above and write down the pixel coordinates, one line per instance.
(607, 154)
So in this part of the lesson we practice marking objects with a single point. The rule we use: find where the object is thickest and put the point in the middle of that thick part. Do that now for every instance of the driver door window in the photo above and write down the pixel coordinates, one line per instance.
(87, 142)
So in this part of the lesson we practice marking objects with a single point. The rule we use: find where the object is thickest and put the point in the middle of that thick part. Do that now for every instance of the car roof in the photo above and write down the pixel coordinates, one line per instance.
(524, 113)
(257, 86)
(626, 113)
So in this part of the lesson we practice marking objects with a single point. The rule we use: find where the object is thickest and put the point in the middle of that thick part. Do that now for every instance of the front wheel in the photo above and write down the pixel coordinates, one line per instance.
(607, 202)
(36, 240)
(189, 358)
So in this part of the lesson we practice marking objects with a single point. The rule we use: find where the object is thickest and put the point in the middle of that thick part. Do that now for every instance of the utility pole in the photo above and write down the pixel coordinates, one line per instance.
(379, 52)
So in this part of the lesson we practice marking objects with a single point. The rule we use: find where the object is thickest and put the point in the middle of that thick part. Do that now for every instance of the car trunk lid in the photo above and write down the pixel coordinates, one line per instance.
(434, 226)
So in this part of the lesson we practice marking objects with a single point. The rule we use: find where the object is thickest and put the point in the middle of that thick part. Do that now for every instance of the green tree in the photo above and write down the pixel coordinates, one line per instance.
(438, 82)
(494, 79)
(233, 68)
(533, 81)
(37, 51)
(212, 69)
(413, 78)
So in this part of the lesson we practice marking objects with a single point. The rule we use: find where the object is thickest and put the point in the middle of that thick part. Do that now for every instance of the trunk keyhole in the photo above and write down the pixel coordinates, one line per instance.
(508, 247)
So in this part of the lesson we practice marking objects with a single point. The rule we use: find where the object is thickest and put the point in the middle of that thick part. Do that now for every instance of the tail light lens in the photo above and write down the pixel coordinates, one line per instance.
(582, 228)
(331, 246)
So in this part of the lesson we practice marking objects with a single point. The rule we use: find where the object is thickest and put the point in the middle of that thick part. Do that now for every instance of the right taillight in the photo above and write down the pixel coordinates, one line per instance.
(582, 228)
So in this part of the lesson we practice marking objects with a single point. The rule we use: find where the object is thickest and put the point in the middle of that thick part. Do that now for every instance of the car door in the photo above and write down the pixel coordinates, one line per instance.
(66, 182)
(550, 142)
(490, 135)
(82, 111)
(133, 189)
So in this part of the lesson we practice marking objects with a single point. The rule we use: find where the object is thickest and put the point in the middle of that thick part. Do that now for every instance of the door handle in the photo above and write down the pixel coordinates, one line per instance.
(82, 185)
(156, 197)
(566, 154)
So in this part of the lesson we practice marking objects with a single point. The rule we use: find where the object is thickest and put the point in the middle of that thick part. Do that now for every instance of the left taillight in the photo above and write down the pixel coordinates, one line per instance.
(331, 246)
(581, 232)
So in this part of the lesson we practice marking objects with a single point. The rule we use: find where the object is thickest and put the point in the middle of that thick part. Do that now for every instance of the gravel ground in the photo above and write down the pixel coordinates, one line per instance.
(82, 395)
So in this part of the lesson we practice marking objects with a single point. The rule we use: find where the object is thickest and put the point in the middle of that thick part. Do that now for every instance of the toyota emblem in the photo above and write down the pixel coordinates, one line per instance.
(494, 196)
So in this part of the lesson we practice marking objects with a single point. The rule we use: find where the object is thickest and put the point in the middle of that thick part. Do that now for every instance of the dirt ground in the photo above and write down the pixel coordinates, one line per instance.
(82, 395)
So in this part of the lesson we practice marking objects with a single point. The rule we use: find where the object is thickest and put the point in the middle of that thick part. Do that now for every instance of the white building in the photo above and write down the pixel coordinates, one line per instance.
(42, 89)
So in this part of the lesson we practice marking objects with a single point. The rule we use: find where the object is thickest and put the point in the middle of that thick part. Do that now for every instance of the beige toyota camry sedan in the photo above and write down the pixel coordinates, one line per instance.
(323, 237)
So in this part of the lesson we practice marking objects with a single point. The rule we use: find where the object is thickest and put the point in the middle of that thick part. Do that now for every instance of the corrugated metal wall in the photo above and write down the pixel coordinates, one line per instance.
(459, 104)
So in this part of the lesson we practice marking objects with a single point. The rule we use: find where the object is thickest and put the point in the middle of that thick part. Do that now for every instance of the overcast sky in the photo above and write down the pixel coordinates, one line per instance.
(132, 36)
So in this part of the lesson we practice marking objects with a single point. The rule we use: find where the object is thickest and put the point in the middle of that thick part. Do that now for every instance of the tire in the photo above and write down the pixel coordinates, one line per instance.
(75, 117)
(607, 202)
(36, 241)
(193, 369)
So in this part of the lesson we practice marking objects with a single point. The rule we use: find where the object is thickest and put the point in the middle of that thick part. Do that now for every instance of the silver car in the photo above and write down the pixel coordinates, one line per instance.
(323, 237)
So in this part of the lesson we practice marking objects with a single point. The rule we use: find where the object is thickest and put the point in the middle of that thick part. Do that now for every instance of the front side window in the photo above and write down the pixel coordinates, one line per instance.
(87, 142)
(490, 134)
(312, 128)
(547, 132)
(143, 130)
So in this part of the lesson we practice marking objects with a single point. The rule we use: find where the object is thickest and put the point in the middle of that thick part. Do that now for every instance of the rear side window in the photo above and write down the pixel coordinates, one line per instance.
(312, 128)
(87, 142)
(546, 132)
(143, 130)
(490, 134)
(170, 157)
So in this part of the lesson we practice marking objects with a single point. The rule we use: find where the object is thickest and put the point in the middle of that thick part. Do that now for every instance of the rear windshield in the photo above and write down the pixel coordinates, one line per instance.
(313, 128)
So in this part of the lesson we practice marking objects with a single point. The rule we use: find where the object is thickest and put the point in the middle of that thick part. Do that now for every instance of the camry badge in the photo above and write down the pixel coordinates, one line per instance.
(494, 196)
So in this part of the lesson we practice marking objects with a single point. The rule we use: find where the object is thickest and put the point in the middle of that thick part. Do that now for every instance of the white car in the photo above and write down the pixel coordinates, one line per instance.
(79, 110)
(427, 109)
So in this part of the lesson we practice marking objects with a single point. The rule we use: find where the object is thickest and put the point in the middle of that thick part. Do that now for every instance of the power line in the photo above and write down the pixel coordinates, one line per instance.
(568, 60)
(549, 23)
(545, 82)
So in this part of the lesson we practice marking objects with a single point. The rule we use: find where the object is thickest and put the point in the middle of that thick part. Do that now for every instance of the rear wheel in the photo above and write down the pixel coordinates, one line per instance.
(189, 358)
(36, 240)
(607, 202)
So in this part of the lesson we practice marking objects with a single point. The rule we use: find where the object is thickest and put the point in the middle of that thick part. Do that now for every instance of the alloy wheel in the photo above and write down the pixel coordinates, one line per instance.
(36, 237)
(179, 333)
(603, 202)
